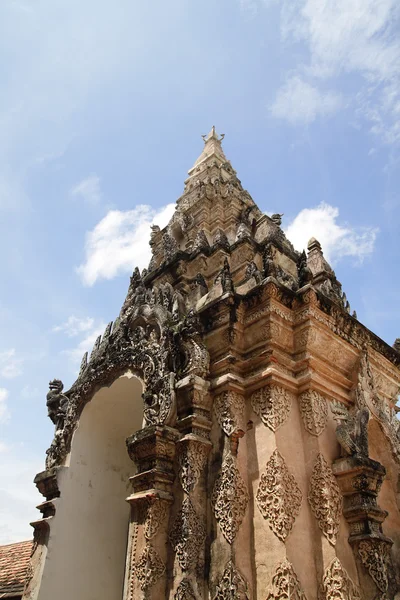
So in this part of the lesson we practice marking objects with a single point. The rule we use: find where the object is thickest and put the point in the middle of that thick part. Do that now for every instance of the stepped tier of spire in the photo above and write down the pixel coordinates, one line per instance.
(216, 214)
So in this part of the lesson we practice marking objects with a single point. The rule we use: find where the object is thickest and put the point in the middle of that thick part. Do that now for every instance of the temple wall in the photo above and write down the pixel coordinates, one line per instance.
(88, 535)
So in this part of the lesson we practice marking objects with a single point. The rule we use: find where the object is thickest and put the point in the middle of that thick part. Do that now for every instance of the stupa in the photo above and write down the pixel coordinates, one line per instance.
(233, 434)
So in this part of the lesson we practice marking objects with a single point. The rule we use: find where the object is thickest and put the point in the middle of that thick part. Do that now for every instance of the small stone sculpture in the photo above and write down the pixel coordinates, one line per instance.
(57, 403)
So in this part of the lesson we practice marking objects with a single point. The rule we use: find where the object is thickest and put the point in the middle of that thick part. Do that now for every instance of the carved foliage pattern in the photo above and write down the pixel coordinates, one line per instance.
(337, 585)
(149, 567)
(185, 591)
(192, 457)
(285, 584)
(272, 403)
(187, 535)
(325, 499)
(278, 496)
(229, 409)
(314, 411)
(232, 585)
(156, 514)
(375, 555)
(230, 498)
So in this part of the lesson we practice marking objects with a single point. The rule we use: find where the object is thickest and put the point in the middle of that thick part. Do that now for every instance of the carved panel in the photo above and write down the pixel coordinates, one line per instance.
(314, 411)
(232, 585)
(375, 557)
(156, 513)
(337, 585)
(229, 409)
(185, 591)
(187, 535)
(230, 498)
(272, 403)
(325, 499)
(149, 568)
(285, 584)
(278, 496)
(192, 458)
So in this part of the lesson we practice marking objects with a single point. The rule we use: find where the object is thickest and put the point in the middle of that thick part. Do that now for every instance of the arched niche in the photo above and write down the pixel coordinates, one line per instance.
(88, 534)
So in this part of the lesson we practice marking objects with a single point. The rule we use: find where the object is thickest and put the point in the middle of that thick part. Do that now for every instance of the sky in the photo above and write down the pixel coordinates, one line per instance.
(102, 107)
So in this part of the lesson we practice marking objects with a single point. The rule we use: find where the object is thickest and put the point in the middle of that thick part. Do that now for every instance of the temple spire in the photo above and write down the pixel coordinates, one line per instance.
(212, 148)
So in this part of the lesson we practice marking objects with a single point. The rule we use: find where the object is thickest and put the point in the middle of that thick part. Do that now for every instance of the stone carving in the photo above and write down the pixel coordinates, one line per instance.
(192, 458)
(325, 499)
(229, 409)
(277, 218)
(185, 591)
(314, 411)
(165, 342)
(156, 514)
(83, 366)
(337, 585)
(149, 568)
(232, 585)
(352, 431)
(375, 555)
(278, 496)
(253, 271)
(187, 535)
(270, 268)
(304, 272)
(285, 584)
(229, 499)
(225, 278)
(272, 403)
(200, 241)
(170, 247)
(57, 403)
(243, 231)
(221, 240)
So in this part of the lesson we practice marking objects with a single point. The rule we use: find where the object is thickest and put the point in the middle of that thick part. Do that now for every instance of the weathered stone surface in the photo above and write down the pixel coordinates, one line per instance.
(243, 351)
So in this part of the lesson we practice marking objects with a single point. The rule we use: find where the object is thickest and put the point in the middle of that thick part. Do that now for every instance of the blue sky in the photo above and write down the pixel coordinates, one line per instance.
(101, 110)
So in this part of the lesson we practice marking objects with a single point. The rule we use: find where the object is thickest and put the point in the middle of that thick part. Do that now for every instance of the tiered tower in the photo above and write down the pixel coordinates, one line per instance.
(259, 415)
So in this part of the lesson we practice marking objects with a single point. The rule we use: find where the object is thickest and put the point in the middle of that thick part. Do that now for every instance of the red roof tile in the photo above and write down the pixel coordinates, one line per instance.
(14, 561)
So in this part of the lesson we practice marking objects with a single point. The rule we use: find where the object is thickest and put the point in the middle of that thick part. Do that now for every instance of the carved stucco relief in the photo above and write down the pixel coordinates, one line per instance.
(185, 591)
(285, 584)
(314, 411)
(375, 556)
(229, 498)
(229, 409)
(325, 499)
(187, 535)
(232, 585)
(272, 403)
(337, 585)
(278, 496)
(192, 458)
(156, 514)
(149, 567)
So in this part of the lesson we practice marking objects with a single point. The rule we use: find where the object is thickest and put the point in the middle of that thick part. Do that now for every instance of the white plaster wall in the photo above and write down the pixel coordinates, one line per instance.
(88, 535)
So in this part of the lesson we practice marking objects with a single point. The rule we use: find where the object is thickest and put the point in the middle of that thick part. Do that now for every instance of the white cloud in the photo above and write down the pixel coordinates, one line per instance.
(18, 495)
(10, 365)
(120, 241)
(4, 413)
(357, 37)
(337, 240)
(88, 189)
(87, 328)
(74, 326)
(301, 103)
(86, 344)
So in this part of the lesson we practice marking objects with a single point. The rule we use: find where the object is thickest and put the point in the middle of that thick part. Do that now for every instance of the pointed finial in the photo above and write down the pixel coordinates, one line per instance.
(213, 135)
